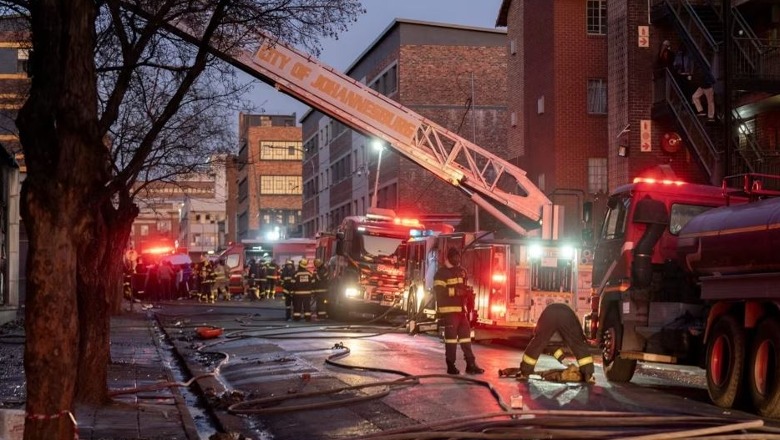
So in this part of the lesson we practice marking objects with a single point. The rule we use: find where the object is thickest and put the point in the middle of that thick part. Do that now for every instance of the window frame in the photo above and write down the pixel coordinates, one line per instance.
(596, 17)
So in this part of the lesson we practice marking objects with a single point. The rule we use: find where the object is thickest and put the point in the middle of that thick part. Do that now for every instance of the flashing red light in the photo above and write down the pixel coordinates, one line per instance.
(406, 221)
(653, 181)
(159, 250)
(499, 278)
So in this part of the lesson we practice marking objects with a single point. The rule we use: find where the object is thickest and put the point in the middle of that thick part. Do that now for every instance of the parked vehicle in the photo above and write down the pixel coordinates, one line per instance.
(689, 274)
(237, 257)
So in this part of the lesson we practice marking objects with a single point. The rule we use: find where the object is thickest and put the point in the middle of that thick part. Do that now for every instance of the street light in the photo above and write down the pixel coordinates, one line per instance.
(380, 147)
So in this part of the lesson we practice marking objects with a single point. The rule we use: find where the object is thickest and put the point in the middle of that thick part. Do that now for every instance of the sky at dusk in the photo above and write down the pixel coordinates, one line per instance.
(379, 14)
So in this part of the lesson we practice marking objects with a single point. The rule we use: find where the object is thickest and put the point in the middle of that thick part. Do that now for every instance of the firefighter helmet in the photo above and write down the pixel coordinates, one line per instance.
(303, 263)
(317, 262)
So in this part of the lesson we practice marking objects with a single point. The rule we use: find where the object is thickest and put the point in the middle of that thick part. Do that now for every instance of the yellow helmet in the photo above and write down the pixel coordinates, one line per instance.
(317, 262)
(303, 263)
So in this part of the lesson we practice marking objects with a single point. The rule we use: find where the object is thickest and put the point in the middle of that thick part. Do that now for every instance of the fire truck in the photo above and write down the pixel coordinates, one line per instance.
(497, 186)
(365, 258)
(689, 274)
(513, 279)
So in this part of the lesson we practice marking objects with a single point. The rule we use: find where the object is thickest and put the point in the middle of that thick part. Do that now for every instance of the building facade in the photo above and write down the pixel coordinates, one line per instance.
(269, 177)
(453, 75)
(558, 78)
(190, 214)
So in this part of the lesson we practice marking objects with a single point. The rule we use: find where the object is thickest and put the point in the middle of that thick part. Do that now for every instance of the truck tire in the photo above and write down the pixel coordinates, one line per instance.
(725, 362)
(762, 375)
(615, 368)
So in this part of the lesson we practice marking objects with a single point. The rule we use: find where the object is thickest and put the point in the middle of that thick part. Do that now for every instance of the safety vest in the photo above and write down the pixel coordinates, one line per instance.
(449, 284)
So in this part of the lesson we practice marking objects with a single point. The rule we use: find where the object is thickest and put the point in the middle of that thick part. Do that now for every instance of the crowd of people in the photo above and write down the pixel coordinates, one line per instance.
(302, 289)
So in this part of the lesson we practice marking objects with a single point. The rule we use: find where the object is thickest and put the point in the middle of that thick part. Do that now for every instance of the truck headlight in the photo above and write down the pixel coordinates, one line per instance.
(350, 292)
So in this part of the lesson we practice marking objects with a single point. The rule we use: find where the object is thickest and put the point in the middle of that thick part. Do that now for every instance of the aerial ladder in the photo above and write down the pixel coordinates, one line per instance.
(493, 183)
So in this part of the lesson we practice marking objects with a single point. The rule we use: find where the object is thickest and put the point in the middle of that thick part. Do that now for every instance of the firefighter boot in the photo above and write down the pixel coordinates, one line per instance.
(472, 368)
(452, 369)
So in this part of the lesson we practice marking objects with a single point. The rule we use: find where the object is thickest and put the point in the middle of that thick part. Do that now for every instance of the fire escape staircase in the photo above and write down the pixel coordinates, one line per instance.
(701, 27)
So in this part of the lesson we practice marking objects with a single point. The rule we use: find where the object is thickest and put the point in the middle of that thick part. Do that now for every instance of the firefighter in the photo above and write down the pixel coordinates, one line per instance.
(321, 281)
(301, 287)
(451, 290)
(560, 318)
(221, 280)
(207, 276)
(288, 271)
(261, 284)
(271, 277)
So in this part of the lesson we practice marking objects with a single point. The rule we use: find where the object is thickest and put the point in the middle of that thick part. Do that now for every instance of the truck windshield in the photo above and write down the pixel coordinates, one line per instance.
(379, 246)
(682, 214)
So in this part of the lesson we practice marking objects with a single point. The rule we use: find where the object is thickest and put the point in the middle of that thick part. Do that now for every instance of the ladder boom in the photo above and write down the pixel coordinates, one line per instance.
(438, 150)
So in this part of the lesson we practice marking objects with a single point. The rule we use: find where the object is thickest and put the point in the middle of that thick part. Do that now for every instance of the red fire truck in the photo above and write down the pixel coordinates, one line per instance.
(689, 274)
(513, 280)
(237, 256)
(365, 258)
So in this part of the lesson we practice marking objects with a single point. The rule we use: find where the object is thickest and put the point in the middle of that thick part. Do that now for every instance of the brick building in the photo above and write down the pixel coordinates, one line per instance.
(452, 75)
(269, 176)
(557, 70)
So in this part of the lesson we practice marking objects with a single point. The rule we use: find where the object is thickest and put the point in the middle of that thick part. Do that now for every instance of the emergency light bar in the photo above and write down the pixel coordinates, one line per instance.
(653, 181)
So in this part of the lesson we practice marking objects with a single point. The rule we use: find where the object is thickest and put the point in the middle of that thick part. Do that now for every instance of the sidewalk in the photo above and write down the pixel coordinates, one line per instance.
(137, 362)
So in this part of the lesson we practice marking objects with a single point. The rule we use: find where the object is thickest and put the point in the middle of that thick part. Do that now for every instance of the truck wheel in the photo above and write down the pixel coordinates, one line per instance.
(764, 362)
(615, 368)
(725, 361)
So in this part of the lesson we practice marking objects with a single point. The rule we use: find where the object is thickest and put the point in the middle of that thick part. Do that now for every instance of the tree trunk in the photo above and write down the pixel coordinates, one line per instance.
(66, 166)
(51, 319)
(100, 272)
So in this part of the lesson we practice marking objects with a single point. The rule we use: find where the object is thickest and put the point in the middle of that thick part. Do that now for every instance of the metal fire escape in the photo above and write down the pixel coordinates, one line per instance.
(754, 66)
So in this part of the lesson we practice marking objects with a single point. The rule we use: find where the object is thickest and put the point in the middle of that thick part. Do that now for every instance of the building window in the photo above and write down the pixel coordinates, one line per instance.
(144, 230)
(22, 57)
(280, 185)
(386, 83)
(597, 175)
(597, 97)
(164, 226)
(281, 150)
(597, 17)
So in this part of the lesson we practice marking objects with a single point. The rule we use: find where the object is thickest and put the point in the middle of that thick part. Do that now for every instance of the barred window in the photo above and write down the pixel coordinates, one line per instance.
(597, 175)
(597, 17)
(281, 150)
(280, 185)
(597, 96)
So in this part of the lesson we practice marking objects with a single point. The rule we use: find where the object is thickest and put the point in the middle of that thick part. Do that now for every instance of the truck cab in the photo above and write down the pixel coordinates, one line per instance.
(642, 295)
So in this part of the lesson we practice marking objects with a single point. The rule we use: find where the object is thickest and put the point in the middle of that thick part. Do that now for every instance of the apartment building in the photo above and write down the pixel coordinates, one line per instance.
(558, 80)
(268, 172)
(452, 75)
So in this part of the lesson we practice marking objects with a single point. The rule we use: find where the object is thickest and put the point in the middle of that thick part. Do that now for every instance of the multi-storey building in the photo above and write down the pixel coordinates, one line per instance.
(269, 177)
(737, 42)
(452, 75)
(557, 69)
(14, 83)
(190, 213)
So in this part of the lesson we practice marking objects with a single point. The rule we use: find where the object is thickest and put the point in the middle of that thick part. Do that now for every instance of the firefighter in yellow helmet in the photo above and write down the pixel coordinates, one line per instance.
(452, 294)
(558, 318)
(302, 283)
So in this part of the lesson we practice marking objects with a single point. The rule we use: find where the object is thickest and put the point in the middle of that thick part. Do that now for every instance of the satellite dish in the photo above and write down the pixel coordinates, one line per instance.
(671, 142)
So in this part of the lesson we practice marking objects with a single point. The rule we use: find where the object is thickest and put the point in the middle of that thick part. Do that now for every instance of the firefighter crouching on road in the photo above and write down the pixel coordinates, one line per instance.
(271, 276)
(321, 278)
(558, 318)
(449, 286)
(288, 270)
(302, 284)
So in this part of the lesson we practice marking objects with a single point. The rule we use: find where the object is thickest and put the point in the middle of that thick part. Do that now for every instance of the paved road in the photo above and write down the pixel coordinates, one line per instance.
(260, 356)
